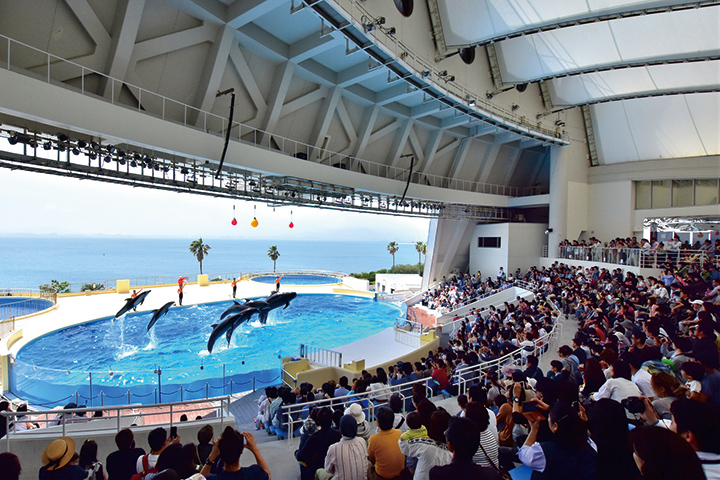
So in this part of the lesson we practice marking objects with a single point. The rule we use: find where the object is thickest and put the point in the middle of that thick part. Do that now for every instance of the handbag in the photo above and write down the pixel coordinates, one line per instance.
(503, 473)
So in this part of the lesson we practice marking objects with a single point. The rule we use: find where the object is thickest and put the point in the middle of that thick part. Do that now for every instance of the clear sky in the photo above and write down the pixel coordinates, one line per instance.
(40, 204)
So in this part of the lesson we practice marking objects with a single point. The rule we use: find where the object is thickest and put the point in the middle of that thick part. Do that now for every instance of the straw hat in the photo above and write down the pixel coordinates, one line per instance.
(58, 453)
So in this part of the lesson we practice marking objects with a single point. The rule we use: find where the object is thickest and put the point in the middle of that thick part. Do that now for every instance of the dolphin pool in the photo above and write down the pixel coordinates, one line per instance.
(106, 362)
(299, 279)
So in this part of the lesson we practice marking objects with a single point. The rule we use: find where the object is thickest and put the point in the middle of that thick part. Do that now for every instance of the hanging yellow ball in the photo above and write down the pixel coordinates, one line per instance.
(254, 222)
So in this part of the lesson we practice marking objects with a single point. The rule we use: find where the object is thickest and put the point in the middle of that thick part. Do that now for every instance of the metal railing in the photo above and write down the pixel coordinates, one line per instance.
(542, 345)
(408, 331)
(636, 257)
(19, 302)
(72, 421)
(321, 356)
(22, 58)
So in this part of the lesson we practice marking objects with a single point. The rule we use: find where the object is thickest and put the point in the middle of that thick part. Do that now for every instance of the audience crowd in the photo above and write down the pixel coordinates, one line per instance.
(635, 395)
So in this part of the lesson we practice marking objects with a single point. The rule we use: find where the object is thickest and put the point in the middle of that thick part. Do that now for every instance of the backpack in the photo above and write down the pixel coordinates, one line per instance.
(146, 469)
(93, 472)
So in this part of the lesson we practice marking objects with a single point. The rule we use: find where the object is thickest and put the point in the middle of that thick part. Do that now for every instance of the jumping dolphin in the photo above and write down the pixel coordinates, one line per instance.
(234, 308)
(159, 313)
(228, 326)
(132, 303)
(274, 301)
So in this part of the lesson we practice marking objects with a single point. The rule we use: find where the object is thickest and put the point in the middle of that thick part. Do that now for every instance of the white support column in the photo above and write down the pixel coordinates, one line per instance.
(399, 143)
(366, 129)
(568, 193)
(280, 86)
(213, 71)
(460, 156)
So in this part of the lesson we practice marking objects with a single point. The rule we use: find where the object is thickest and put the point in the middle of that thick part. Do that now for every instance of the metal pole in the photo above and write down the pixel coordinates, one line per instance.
(223, 383)
(159, 384)
(156, 401)
(91, 395)
(207, 390)
(128, 399)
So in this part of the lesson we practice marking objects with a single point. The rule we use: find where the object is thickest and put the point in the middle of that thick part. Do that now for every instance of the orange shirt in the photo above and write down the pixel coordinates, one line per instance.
(384, 452)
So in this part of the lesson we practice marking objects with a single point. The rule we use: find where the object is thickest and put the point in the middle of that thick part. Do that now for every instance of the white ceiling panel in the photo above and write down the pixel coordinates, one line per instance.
(634, 39)
(659, 127)
(705, 112)
(613, 136)
(466, 22)
(581, 89)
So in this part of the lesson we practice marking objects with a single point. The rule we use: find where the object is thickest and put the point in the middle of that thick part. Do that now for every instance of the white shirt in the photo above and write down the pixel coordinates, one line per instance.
(347, 459)
(711, 464)
(152, 461)
(429, 454)
(617, 389)
(642, 379)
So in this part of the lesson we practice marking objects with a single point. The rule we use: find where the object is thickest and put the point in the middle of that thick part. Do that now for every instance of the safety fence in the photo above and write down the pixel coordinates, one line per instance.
(321, 356)
(62, 422)
(19, 302)
(637, 257)
(461, 380)
(45, 387)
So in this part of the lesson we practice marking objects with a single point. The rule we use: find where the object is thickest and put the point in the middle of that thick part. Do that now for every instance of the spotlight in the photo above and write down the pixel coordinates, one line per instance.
(380, 21)
(166, 169)
(443, 73)
(13, 140)
(94, 145)
(110, 148)
(60, 148)
(391, 31)
(451, 78)
(62, 137)
(47, 145)
(137, 156)
(515, 107)
(425, 74)
(82, 144)
(156, 167)
(184, 171)
(121, 154)
(75, 151)
(133, 164)
(92, 155)
(121, 161)
(107, 159)
(368, 27)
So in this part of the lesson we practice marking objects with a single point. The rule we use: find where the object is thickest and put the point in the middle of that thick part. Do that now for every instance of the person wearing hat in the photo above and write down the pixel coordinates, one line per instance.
(60, 462)
(346, 459)
(363, 428)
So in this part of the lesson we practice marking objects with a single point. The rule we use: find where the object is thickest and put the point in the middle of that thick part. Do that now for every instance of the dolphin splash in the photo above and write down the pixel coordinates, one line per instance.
(159, 313)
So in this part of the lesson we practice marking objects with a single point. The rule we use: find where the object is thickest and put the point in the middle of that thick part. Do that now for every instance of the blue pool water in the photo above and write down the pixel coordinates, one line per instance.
(14, 306)
(50, 369)
(298, 279)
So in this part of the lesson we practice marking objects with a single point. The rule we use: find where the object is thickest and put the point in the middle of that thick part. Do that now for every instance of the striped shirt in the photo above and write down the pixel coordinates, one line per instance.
(347, 459)
(489, 442)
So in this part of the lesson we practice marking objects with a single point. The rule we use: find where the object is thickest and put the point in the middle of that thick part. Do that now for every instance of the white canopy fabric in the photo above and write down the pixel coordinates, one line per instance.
(689, 33)
(468, 22)
(681, 124)
(657, 127)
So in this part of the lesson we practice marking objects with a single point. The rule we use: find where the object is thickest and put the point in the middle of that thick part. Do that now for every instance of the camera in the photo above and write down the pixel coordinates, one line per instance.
(633, 405)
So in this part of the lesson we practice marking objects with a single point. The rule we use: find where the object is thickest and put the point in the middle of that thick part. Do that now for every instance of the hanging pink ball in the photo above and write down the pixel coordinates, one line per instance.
(292, 225)
(234, 222)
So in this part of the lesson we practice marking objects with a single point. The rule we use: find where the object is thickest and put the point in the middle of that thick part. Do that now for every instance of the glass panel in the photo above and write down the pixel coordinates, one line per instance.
(682, 193)
(642, 195)
(661, 193)
(706, 192)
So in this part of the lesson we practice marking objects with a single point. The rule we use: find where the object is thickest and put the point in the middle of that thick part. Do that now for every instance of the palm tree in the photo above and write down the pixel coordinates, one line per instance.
(393, 248)
(199, 249)
(273, 254)
(421, 248)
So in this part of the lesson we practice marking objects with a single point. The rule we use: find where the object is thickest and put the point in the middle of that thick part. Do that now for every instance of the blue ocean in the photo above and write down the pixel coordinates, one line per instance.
(27, 262)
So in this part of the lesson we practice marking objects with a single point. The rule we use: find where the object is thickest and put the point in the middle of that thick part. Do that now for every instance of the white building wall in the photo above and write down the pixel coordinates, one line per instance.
(520, 247)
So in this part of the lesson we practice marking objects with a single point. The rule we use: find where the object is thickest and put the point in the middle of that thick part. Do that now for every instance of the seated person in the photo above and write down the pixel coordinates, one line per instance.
(229, 448)
(463, 439)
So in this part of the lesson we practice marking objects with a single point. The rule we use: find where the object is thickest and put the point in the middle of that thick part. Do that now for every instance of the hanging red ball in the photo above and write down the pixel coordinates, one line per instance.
(292, 225)
(234, 222)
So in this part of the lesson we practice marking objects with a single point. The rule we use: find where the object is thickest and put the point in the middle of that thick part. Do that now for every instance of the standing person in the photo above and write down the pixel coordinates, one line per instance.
(89, 462)
(181, 281)
(277, 283)
(383, 450)
(180, 294)
(121, 464)
(234, 286)
(135, 293)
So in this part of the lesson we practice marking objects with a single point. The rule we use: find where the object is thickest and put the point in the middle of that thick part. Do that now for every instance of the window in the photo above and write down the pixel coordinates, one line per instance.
(682, 191)
(661, 193)
(488, 242)
(642, 195)
(706, 192)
